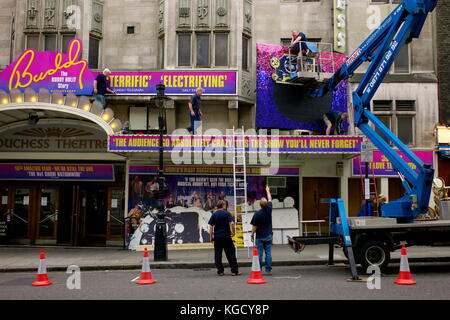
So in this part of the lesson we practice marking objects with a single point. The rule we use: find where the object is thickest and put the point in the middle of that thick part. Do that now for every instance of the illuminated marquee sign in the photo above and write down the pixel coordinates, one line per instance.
(67, 73)
(340, 41)
(50, 70)
(176, 82)
(310, 144)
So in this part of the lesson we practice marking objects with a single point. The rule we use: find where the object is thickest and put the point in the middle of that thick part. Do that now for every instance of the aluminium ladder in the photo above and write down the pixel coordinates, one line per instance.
(242, 236)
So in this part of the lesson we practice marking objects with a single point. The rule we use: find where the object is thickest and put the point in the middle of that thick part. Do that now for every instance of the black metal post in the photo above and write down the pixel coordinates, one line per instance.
(366, 181)
(160, 253)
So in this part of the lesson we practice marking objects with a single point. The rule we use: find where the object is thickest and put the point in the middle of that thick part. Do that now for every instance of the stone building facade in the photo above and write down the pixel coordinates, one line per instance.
(221, 35)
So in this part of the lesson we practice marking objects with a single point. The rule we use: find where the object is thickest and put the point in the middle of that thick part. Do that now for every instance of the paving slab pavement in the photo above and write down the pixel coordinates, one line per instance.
(26, 258)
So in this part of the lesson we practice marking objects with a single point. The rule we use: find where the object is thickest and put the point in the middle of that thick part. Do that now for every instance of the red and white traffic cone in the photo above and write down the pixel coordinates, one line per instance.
(42, 278)
(404, 277)
(256, 275)
(146, 274)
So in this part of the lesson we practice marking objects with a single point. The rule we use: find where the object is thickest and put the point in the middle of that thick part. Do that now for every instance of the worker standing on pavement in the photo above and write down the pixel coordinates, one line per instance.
(220, 224)
(262, 226)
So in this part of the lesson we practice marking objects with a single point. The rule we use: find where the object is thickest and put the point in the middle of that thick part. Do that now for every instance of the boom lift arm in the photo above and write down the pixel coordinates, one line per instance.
(380, 49)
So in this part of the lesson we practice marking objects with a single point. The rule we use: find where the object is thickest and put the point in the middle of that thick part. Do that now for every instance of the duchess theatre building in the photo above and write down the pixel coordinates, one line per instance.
(73, 173)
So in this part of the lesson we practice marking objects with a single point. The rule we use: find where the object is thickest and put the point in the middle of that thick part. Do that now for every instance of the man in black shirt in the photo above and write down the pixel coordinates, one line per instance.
(195, 111)
(298, 42)
(219, 230)
(334, 119)
(262, 226)
(101, 87)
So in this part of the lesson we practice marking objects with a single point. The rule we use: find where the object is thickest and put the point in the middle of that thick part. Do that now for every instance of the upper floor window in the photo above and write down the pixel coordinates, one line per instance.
(161, 53)
(210, 49)
(184, 49)
(94, 50)
(246, 53)
(203, 50)
(398, 116)
(48, 42)
(402, 62)
(32, 42)
(221, 49)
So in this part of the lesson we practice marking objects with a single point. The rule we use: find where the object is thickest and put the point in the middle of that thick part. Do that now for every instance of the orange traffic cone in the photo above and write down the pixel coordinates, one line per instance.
(256, 275)
(42, 278)
(404, 277)
(146, 274)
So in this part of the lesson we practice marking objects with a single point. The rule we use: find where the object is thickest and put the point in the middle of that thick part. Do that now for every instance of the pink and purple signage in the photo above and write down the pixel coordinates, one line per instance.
(67, 73)
(213, 170)
(61, 172)
(51, 70)
(176, 82)
(381, 166)
(302, 144)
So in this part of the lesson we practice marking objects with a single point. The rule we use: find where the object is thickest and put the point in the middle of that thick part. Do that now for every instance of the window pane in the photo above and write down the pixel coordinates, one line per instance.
(387, 122)
(221, 49)
(33, 42)
(161, 53)
(203, 50)
(94, 45)
(401, 64)
(245, 42)
(405, 129)
(285, 42)
(50, 42)
(405, 105)
(65, 42)
(184, 49)
(382, 105)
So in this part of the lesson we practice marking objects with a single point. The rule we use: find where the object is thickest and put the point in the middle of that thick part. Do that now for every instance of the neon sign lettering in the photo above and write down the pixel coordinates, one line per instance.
(22, 78)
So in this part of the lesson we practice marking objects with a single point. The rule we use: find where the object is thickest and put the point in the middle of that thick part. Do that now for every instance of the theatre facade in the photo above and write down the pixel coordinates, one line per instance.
(73, 173)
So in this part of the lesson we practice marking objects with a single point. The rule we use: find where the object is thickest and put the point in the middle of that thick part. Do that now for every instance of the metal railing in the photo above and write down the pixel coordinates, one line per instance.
(317, 58)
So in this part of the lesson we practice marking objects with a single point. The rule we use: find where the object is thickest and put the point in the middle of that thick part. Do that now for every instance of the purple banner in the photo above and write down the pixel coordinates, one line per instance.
(63, 172)
(302, 144)
(176, 82)
(213, 170)
(381, 166)
(66, 73)
(290, 106)
(50, 70)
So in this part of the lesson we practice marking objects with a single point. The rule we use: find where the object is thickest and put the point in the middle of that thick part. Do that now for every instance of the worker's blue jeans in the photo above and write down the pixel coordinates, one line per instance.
(265, 245)
(101, 98)
(196, 122)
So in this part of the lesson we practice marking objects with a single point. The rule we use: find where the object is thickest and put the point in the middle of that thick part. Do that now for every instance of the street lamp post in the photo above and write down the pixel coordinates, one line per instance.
(160, 253)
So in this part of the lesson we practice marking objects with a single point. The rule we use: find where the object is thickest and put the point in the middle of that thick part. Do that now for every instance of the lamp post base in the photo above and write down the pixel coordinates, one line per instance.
(160, 253)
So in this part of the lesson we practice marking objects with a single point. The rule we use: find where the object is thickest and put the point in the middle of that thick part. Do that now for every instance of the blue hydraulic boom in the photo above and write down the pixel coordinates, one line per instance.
(380, 49)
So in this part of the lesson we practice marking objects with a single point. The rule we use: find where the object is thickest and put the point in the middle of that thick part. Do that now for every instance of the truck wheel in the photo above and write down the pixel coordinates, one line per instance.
(374, 253)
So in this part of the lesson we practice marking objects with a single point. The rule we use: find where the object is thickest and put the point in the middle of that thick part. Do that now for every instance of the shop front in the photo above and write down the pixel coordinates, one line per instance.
(64, 213)
(383, 178)
(303, 172)
(58, 183)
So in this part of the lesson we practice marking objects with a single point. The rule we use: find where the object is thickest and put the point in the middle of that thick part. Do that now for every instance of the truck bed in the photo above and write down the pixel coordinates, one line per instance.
(366, 223)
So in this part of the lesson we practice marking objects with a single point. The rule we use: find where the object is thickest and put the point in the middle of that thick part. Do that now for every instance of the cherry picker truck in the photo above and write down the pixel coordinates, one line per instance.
(370, 240)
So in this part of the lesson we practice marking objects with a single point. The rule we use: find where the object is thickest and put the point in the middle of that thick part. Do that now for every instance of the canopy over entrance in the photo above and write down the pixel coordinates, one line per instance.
(31, 106)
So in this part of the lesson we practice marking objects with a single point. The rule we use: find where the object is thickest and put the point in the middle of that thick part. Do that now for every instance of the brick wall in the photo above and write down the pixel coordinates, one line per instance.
(443, 52)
